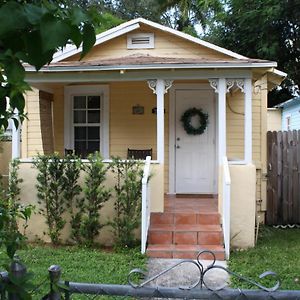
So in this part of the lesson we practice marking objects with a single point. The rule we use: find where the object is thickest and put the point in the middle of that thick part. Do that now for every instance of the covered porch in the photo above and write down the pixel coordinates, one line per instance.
(140, 113)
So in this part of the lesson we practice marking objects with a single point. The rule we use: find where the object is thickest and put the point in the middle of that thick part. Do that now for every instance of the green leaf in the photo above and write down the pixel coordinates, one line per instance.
(12, 18)
(34, 13)
(55, 33)
(77, 16)
(35, 53)
(89, 39)
(14, 70)
(76, 36)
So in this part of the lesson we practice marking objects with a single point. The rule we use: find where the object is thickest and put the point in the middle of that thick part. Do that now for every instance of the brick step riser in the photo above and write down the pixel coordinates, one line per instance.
(185, 238)
(184, 219)
(183, 255)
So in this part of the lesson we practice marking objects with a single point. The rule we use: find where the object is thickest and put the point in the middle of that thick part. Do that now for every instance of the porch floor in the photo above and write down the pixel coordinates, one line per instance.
(188, 225)
(190, 204)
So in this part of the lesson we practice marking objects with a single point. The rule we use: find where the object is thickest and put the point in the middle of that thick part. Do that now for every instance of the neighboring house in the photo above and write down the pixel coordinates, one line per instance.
(131, 91)
(290, 114)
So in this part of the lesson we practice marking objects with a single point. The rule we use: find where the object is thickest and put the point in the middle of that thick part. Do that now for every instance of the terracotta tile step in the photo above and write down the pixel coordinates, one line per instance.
(180, 227)
(185, 251)
(185, 237)
(210, 218)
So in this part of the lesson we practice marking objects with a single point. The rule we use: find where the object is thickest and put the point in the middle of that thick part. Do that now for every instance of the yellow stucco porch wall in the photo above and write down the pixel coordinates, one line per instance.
(37, 226)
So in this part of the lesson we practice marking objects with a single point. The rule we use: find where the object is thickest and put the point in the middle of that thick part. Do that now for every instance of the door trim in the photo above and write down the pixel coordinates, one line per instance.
(172, 161)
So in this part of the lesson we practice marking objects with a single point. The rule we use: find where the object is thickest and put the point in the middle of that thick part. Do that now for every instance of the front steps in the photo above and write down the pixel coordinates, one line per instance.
(184, 235)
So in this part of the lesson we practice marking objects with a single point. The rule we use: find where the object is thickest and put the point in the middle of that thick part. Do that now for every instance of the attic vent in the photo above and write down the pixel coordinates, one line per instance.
(140, 41)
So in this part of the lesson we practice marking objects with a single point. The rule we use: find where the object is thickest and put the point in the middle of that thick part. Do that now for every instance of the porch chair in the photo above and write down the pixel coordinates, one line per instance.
(139, 153)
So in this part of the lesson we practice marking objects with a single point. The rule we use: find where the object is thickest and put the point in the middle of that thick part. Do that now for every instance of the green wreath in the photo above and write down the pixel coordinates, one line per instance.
(187, 118)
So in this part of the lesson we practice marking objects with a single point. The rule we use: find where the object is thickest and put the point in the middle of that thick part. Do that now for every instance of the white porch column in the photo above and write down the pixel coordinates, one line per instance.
(15, 139)
(160, 87)
(219, 85)
(248, 120)
(160, 124)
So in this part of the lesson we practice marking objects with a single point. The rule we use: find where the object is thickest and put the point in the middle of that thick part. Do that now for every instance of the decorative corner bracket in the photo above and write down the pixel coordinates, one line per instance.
(152, 85)
(214, 84)
(153, 82)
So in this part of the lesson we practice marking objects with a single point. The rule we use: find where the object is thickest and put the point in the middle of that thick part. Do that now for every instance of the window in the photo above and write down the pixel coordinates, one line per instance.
(86, 120)
(288, 123)
(140, 41)
(86, 124)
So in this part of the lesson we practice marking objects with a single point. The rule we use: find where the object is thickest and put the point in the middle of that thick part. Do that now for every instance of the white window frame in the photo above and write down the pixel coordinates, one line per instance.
(87, 90)
(140, 46)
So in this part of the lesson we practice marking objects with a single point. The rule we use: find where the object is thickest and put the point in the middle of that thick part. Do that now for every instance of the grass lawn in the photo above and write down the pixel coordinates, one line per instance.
(80, 264)
(277, 250)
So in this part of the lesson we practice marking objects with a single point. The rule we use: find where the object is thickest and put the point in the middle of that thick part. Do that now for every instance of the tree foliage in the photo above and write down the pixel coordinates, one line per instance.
(184, 15)
(266, 29)
(31, 32)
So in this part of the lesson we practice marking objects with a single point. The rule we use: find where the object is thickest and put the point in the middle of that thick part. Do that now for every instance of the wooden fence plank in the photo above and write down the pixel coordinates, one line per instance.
(295, 188)
(290, 153)
(283, 187)
(269, 213)
(285, 180)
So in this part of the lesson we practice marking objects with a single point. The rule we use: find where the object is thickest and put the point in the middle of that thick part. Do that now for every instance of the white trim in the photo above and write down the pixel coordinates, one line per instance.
(30, 160)
(248, 120)
(279, 73)
(103, 91)
(160, 132)
(131, 37)
(134, 75)
(158, 66)
(221, 119)
(172, 142)
(15, 137)
(130, 26)
(105, 36)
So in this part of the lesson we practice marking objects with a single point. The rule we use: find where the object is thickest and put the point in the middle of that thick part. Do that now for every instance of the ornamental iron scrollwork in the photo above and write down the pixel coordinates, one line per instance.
(200, 281)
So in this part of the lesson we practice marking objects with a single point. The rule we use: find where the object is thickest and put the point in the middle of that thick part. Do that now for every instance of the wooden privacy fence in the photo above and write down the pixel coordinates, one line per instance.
(283, 189)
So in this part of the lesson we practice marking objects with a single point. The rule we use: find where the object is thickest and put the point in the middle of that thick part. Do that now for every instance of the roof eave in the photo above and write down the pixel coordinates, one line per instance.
(152, 67)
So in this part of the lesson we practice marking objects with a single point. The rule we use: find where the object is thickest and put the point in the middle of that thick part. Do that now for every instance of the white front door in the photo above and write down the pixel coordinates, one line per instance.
(194, 154)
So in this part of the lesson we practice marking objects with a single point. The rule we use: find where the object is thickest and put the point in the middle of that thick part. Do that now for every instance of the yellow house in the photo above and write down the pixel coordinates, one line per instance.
(131, 91)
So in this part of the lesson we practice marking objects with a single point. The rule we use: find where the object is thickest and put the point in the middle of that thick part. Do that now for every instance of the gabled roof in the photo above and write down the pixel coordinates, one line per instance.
(129, 26)
(151, 62)
(290, 102)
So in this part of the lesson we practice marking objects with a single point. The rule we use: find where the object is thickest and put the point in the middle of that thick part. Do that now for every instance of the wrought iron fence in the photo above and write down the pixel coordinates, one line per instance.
(199, 289)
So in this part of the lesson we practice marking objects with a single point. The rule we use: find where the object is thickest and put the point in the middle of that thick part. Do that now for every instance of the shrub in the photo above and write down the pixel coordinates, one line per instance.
(71, 191)
(96, 194)
(128, 189)
(50, 187)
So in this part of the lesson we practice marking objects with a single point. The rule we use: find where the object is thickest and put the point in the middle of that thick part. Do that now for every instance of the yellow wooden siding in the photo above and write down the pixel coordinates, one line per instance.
(58, 120)
(31, 129)
(126, 129)
(166, 45)
(235, 133)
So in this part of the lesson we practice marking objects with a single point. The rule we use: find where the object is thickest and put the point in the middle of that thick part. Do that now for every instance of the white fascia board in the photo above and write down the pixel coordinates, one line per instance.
(56, 69)
(279, 73)
(105, 36)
